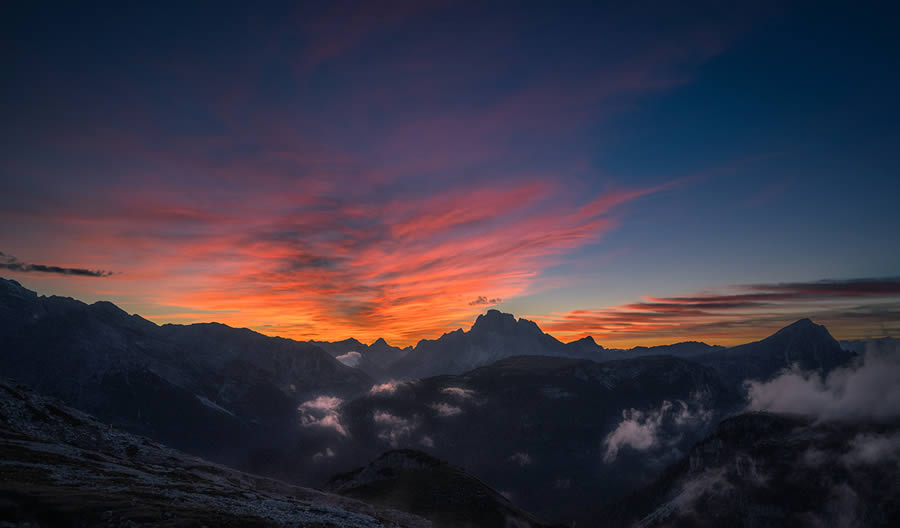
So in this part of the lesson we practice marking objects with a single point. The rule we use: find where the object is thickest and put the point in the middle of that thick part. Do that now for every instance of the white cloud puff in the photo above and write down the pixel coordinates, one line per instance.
(351, 359)
(393, 429)
(642, 430)
(389, 387)
(322, 412)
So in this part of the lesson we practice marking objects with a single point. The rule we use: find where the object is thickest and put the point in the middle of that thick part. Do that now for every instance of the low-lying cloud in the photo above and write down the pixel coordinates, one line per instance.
(867, 390)
(643, 431)
(445, 409)
(388, 387)
(520, 458)
(351, 359)
(459, 392)
(873, 449)
(11, 263)
(323, 411)
(394, 429)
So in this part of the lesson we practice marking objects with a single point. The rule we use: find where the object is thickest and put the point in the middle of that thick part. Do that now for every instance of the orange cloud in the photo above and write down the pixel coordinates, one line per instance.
(329, 269)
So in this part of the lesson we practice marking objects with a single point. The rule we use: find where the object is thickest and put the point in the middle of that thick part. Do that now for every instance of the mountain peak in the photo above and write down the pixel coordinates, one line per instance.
(494, 321)
(806, 322)
(805, 326)
(380, 342)
(586, 340)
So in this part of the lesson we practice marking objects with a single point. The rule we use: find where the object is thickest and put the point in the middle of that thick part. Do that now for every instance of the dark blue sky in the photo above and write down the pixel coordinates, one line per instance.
(342, 169)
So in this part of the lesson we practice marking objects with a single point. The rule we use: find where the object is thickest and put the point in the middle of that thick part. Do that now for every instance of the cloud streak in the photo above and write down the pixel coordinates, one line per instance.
(484, 301)
(738, 313)
(11, 263)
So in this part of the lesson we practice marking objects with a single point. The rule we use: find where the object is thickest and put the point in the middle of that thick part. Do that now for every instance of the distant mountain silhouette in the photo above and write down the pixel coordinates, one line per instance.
(494, 336)
(446, 495)
(224, 393)
(375, 359)
(802, 343)
(762, 469)
(686, 349)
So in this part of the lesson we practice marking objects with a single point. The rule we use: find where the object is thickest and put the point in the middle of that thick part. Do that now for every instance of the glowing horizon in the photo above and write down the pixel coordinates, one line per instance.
(324, 172)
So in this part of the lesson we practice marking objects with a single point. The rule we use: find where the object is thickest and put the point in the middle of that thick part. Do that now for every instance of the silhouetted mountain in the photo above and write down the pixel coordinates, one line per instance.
(62, 467)
(686, 349)
(418, 483)
(768, 470)
(375, 359)
(544, 429)
(803, 343)
(228, 394)
(494, 336)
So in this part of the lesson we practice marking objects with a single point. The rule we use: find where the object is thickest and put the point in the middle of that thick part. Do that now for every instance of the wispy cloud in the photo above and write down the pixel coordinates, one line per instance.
(740, 312)
(392, 205)
(11, 263)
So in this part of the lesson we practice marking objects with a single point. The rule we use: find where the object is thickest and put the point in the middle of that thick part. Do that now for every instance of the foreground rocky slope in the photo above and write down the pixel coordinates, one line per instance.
(62, 467)
(445, 494)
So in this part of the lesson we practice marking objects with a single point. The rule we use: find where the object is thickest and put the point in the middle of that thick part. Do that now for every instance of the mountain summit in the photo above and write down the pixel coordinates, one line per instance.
(495, 335)
(803, 343)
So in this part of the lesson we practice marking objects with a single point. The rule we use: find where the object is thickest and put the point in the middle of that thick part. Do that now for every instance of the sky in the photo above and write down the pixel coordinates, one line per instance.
(643, 173)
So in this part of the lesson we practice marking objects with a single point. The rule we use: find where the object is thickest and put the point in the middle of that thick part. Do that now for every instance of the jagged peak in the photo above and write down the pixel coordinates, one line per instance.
(503, 323)
(586, 340)
(349, 341)
(494, 320)
(380, 342)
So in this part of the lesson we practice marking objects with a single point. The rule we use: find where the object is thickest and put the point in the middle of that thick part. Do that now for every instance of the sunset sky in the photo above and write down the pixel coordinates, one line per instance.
(642, 175)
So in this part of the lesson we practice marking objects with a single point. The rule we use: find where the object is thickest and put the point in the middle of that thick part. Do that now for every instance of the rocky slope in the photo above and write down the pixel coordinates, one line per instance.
(63, 467)
(445, 494)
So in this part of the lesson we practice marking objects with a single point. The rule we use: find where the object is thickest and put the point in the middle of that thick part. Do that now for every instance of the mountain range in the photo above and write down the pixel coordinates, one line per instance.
(503, 412)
